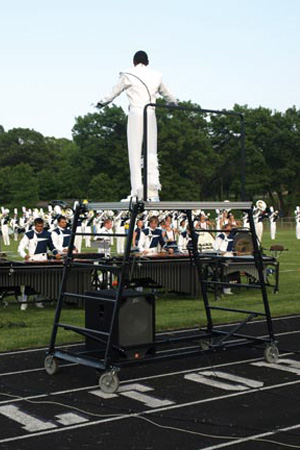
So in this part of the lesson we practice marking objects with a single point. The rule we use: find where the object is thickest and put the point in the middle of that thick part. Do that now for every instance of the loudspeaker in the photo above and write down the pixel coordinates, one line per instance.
(135, 325)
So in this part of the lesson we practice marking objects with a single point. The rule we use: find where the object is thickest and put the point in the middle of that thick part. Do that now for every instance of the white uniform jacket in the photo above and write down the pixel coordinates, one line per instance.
(142, 86)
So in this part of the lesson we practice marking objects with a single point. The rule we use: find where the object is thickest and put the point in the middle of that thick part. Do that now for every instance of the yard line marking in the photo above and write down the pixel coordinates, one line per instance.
(252, 438)
(148, 412)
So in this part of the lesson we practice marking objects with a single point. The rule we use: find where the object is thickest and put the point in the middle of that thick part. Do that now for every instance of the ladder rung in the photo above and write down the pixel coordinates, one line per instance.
(89, 297)
(81, 329)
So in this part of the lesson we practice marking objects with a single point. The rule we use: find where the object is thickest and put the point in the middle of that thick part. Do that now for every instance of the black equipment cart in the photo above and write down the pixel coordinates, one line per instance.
(120, 317)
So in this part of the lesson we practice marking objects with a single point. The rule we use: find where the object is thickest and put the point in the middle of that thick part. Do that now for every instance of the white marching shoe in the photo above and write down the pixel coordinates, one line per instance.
(153, 199)
(127, 199)
(227, 291)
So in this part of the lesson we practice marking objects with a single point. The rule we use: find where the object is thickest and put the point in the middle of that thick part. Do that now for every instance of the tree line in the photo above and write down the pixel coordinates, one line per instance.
(199, 155)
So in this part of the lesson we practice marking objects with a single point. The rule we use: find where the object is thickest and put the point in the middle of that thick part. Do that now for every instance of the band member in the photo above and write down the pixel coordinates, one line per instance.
(245, 220)
(202, 222)
(35, 243)
(34, 246)
(120, 222)
(15, 224)
(259, 214)
(105, 242)
(152, 238)
(142, 86)
(61, 235)
(170, 235)
(219, 215)
(224, 244)
(88, 224)
(273, 216)
(297, 218)
(137, 233)
(5, 220)
(185, 240)
(224, 241)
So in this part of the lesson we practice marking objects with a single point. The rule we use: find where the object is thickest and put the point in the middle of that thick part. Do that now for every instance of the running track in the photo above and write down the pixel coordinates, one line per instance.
(228, 399)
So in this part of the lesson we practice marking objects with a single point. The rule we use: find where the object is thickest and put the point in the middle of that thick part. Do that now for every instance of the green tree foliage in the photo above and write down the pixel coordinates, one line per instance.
(183, 149)
(199, 155)
(102, 143)
(18, 184)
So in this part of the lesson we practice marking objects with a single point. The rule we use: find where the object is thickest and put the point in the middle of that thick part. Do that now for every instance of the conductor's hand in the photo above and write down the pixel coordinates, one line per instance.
(101, 105)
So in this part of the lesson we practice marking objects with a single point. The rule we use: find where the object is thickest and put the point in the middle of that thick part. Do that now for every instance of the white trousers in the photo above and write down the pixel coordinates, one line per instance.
(298, 230)
(259, 230)
(6, 240)
(78, 239)
(120, 240)
(87, 238)
(135, 140)
(273, 230)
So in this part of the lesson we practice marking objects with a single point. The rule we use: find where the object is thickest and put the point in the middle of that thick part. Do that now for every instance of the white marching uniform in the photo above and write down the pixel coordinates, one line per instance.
(120, 229)
(36, 245)
(272, 218)
(297, 218)
(142, 86)
(60, 238)
(5, 229)
(105, 241)
(258, 218)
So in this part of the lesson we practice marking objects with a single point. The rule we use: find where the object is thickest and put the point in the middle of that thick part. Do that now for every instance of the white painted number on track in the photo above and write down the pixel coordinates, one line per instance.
(135, 391)
(286, 365)
(30, 423)
(222, 380)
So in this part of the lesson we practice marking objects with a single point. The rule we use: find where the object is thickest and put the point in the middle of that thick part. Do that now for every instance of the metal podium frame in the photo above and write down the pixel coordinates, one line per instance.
(210, 339)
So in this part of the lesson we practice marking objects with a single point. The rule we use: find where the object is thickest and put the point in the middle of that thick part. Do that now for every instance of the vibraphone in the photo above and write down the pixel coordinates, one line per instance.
(177, 273)
(42, 277)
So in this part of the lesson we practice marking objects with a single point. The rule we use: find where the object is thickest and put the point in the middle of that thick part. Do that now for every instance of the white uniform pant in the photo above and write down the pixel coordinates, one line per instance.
(87, 237)
(259, 231)
(78, 240)
(298, 230)
(135, 140)
(6, 240)
(120, 240)
(273, 230)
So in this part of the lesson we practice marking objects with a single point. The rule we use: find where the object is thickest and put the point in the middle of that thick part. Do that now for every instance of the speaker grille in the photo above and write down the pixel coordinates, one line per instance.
(135, 324)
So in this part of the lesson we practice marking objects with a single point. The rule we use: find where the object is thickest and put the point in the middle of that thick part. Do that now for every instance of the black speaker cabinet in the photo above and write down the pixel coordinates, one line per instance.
(134, 330)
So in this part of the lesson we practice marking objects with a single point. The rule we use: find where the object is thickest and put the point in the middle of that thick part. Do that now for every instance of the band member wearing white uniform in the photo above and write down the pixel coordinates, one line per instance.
(224, 244)
(273, 216)
(5, 226)
(258, 216)
(142, 86)
(34, 247)
(106, 241)
(297, 218)
(151, 239)
(61, 235)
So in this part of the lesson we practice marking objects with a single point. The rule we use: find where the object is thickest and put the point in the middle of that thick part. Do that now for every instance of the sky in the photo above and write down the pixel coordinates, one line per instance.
(58, 58)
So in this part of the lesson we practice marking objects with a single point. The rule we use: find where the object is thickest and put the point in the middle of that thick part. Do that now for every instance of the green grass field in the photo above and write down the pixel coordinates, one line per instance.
(32, 328)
